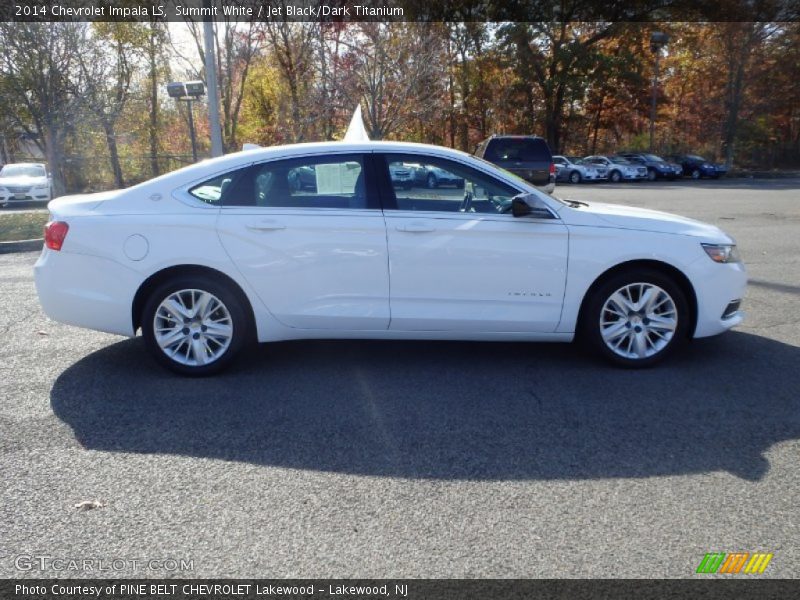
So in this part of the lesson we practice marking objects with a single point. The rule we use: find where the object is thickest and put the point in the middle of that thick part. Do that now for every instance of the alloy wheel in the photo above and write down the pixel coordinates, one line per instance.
(638, 321)
(193, 327)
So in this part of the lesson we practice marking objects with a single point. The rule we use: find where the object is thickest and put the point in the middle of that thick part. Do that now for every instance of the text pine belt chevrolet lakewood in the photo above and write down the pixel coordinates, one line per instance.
(320, 241)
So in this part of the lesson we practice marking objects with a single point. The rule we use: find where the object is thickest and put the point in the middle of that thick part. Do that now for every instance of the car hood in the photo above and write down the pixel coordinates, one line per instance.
(642, 219)
(23, 180)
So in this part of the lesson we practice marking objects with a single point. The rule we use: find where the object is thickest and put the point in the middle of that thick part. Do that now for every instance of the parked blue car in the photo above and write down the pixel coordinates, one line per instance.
(697, 167)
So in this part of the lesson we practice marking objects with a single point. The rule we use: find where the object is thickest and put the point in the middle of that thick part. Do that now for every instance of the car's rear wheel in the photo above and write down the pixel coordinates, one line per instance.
(574, 177)
(636, 318)
(194, 325)
(651, 175)
(615, 176)
(696, 174)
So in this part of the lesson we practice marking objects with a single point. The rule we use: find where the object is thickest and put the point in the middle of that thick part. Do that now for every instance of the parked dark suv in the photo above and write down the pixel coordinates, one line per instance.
(696, 166)
(528, 156)
(657, 167)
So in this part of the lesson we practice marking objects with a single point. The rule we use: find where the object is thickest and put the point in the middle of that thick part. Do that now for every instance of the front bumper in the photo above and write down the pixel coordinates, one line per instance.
(717, 286)
(634, 176)
(31, 195)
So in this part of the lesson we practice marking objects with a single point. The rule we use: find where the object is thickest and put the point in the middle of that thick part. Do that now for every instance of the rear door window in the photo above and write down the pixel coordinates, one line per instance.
(337, 181)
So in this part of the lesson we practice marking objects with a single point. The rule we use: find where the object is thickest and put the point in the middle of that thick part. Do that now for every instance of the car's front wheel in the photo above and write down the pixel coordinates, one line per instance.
(615, 176)
(636, 318)
(651, 175)
(194, 325)
(575, 177)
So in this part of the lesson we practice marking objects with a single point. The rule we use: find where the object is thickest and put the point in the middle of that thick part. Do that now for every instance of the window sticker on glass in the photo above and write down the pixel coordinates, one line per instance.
(337, 178)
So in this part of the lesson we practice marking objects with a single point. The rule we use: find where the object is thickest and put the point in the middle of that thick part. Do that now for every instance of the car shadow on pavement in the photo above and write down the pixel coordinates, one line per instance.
(447, 410)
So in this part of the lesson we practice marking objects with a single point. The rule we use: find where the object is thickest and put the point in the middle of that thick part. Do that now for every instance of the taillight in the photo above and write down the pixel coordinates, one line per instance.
(54, 234)
(552, 168)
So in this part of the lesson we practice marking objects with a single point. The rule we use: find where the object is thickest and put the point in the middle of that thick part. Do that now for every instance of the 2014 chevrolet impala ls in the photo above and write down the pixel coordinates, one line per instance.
(210, 257)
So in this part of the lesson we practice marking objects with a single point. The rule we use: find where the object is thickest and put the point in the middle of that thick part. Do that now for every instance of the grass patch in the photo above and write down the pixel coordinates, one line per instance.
(22, 226)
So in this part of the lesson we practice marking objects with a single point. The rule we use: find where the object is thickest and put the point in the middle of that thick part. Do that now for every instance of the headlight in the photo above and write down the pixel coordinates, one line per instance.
(722, 253)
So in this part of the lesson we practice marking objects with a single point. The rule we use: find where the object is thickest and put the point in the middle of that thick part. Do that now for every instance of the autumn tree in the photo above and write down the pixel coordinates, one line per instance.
(294, 47)
(397, 73)
(110, 55)
(37, 61)
(157, 71)
(236, 45)
(555, 58)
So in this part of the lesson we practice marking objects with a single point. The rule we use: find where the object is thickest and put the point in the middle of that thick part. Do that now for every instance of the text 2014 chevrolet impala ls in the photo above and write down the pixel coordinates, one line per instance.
(217, 254)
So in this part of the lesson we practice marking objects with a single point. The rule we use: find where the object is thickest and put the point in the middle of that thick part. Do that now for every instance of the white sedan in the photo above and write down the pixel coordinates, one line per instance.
(24, 182)
(208, 258)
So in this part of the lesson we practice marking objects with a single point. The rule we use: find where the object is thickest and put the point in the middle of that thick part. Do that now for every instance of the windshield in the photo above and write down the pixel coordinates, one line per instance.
(695, 157)
(22, 171)
(653, 158)
(620, 161)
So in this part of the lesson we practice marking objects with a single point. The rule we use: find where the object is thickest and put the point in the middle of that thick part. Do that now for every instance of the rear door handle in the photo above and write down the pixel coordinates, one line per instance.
(266, 225)
(416, 227)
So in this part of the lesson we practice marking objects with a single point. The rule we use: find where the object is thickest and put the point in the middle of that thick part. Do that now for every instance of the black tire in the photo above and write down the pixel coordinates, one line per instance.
(574, 177)
(651, 175)
(242, 330)
(615, 176)
(590, 327)
(696, 174)
(431, 181)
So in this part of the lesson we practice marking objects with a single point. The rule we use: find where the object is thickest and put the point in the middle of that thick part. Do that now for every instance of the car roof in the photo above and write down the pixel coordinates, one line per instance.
(243, 158)
(344, 147)
(290, 150)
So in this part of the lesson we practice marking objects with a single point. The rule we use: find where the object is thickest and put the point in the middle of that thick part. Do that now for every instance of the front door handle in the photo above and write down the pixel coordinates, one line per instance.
(266, 225)
(416, 227)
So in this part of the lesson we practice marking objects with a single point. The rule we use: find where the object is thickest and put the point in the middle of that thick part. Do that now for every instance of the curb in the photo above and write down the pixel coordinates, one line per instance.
(21, 246)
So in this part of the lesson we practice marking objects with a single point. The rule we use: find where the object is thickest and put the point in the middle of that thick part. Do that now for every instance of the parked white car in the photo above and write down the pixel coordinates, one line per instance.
(618, 168)
(24, 182)
(573, 171)
(226, 251)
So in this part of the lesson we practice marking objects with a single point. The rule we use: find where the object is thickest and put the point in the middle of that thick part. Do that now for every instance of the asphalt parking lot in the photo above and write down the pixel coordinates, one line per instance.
(405, 459)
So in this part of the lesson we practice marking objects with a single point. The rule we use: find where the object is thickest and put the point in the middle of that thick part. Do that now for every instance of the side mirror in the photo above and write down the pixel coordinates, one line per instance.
(529, 205)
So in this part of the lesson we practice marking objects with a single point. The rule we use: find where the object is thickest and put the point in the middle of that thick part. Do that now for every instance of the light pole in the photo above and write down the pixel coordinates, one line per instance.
(658, 40)
(211, 81)
(188, 92)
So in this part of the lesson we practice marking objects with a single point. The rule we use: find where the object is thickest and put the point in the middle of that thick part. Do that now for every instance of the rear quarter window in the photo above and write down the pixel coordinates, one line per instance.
(214, 191)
